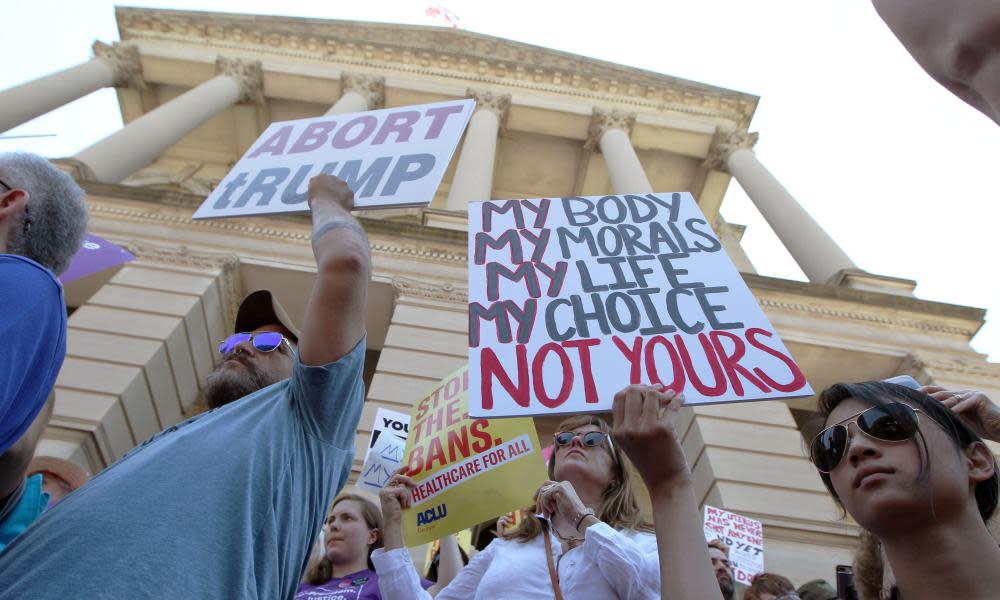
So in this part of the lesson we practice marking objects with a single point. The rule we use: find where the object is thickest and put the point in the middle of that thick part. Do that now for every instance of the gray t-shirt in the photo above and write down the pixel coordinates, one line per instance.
(224, 505)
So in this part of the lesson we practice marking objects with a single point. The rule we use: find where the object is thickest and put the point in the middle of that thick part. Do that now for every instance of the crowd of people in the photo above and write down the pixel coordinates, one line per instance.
(241, 501)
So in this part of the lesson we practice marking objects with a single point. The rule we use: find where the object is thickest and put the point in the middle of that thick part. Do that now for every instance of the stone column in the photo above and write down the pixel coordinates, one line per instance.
(812, 248)
(474, 173)
(611, 132)
(139, 143)
(358, 94)
(111, 65)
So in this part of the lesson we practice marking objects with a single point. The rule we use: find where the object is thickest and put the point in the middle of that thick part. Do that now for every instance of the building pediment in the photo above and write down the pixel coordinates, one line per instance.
(438, 51)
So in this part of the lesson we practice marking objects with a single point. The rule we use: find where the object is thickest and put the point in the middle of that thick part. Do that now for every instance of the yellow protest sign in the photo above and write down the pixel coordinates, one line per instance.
(467, 470)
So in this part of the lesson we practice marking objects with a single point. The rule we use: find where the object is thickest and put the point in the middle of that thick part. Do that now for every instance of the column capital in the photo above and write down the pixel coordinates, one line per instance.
(248, 75)
(369, 86)
(724, 143)
(499, 104)
(602, 120)
(124, 62)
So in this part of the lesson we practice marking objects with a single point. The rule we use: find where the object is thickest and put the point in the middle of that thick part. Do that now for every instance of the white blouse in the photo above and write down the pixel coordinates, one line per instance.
(609, 564)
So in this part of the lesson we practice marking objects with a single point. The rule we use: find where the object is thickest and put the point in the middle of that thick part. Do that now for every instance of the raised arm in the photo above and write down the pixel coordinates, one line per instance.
(335, 314)
(644, 428)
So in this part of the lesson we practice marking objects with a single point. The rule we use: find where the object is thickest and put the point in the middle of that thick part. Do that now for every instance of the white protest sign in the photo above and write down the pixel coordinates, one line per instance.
(745, 538)
(390, 158)
(383, 460)
(572, 299)
(388, 421)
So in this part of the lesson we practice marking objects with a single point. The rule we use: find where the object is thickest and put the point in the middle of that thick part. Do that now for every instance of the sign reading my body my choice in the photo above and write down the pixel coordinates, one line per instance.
(390, 158)
(572, 299)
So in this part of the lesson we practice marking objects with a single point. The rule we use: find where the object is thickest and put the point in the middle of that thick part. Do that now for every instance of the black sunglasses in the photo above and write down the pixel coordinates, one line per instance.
(9, 188)
(894, 422)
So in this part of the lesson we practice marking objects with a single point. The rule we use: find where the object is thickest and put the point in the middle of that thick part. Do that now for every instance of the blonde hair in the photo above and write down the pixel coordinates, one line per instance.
(619, 507)
(322, 572)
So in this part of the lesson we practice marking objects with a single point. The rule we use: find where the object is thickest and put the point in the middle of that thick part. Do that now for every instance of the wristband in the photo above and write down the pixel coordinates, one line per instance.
(587, 512)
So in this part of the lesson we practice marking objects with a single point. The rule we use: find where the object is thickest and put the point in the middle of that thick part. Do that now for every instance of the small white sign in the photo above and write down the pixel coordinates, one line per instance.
(392, 157)
(745, 538)
(384, 459)
(388, 421)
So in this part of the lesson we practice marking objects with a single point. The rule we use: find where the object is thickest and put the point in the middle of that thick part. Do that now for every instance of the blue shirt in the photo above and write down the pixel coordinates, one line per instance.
(32, 342)
(29, 506)
(224, 505)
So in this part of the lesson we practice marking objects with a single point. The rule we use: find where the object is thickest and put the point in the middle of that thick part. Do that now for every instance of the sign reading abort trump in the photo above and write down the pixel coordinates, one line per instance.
(572, 299)
(391, 158)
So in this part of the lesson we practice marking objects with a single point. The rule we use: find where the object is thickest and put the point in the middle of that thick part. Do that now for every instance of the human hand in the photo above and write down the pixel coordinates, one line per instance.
(325, 188)
(559, 502)
(975, 408)
(394, 497)
(645, 429)
(503, 522)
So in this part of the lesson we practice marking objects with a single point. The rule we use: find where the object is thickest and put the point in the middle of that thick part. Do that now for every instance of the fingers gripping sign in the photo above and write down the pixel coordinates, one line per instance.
(645, 428)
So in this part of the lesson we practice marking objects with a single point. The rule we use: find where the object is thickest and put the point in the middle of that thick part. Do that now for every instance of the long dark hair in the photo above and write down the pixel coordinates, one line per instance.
(879, 393)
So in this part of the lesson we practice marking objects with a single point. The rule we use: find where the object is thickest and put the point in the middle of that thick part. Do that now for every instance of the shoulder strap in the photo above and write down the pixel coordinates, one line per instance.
(553, 575)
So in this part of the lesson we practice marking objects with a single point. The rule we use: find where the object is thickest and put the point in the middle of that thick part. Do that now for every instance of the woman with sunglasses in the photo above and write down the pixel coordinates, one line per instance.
(914, 474)
(588, 540)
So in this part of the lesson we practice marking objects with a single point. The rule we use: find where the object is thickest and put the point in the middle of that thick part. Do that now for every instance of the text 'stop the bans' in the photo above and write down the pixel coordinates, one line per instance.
(393, 157)
(572, 299)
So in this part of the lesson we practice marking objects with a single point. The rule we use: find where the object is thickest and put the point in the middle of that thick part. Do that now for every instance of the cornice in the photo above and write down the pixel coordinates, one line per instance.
(438, 291)
(866, 317)
(980, 369)
(447, 53)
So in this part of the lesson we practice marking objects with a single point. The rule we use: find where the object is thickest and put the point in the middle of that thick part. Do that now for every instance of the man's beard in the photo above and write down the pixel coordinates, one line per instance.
(727, 588)
(226, 385)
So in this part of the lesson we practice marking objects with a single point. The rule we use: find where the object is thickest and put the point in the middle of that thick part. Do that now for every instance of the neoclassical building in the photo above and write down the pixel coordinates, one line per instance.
(196, 89)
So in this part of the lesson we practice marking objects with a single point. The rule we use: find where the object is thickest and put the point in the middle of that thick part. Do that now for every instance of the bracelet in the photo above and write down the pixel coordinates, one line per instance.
(587, 512)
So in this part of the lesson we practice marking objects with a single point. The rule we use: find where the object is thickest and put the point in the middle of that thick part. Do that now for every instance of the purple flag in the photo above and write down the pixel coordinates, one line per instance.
(97, 254)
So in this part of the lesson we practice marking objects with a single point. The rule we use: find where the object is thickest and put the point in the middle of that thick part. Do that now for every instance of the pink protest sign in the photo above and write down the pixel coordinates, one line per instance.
(95, 255)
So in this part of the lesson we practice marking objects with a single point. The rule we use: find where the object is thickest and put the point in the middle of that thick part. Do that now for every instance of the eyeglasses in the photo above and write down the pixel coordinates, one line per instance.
(895, 422)
(9, 188)
(265, 341)
(589, 439)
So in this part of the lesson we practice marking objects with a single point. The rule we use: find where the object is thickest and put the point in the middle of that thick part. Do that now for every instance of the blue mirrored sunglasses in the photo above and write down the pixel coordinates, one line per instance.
(265, 341)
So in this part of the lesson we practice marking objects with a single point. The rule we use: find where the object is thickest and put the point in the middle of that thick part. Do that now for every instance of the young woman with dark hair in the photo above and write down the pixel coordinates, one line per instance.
(914, 474)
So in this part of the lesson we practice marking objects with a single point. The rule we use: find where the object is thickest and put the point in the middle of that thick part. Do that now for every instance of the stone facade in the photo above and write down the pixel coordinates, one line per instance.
(143, 338)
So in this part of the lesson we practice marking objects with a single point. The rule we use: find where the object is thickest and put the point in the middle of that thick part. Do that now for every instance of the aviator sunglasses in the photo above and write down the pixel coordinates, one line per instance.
(894, 422)
(265, 341)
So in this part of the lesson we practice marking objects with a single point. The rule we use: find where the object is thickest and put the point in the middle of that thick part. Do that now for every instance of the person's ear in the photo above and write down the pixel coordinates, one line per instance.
(980, 462)
(372, 535)
(12, 203)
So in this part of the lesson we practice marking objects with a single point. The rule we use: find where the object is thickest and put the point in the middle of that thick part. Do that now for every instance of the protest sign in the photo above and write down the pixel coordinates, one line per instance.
(745, 538)
(391, 158)
(467, 470)
(388, 421)
(95, 254)
(572, 299)
(382, 461)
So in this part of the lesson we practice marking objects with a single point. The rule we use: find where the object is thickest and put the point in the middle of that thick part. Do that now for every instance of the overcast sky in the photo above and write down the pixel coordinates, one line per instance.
(897, 170)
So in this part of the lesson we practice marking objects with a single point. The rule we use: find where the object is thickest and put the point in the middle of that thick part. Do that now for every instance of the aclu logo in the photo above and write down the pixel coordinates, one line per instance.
(432, 514)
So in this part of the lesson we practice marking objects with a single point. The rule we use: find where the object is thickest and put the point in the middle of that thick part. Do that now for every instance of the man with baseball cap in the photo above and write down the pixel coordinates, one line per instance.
(227, 503)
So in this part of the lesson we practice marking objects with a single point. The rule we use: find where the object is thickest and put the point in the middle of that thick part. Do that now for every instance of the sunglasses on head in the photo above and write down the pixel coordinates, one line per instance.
(265, 341)
(894, 422)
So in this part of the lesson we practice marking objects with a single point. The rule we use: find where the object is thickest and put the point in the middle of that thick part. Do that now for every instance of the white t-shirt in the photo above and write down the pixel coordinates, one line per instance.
(609, 564)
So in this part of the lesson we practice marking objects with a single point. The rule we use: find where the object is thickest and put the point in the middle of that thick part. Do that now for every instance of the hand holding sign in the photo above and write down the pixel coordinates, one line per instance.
(394, 497)
(559, 502)
(645, 420)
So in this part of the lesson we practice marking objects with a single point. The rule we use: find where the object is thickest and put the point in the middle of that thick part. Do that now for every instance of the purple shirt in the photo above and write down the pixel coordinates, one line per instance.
(362, 585)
